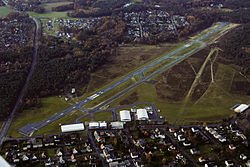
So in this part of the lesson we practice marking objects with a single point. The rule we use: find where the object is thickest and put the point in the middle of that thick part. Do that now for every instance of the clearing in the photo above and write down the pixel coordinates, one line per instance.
(4, 11)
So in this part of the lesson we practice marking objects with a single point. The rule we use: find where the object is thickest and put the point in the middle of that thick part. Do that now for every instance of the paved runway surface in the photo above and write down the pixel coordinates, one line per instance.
(30, 128)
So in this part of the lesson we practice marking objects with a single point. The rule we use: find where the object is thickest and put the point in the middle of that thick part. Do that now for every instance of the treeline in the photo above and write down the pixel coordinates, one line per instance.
(63, 8)
(236, 48)
(14, 68)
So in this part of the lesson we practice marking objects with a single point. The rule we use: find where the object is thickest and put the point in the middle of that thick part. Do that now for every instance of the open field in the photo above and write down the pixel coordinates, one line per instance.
(49, 14)
(50, 106)
(104, 116)
(4, 11)
(87, 118)
(48, 6)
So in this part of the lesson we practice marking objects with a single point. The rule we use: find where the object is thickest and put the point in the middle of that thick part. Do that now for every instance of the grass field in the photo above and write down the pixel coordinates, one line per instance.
(50, 106)
(4, 11)
(48, 11)
(48, 6)
(55, 127)
(104, 116)
(49, 14)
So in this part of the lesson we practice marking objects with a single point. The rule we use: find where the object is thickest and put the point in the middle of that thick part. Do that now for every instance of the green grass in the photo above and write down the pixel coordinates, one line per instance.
(4, 11)
(48, 6)
(158, 66)
(50, 106)
(55, 127)
(49, 14)
(109, 94)
(87, 118)
(104, 116)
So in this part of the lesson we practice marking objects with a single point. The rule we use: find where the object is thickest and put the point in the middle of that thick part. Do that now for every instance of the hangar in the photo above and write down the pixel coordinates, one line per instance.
(142, 114)
(72, 127)
(125, 115)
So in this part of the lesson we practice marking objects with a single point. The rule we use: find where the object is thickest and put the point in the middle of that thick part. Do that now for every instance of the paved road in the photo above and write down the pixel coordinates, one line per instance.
(7, 124)
(30, 128)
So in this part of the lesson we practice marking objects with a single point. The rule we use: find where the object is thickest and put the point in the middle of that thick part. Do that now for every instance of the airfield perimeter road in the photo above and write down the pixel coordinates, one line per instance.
(30, 128)
(8, 122)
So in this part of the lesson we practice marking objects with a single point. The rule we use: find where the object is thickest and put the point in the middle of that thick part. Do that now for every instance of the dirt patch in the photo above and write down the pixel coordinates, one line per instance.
(130, 99)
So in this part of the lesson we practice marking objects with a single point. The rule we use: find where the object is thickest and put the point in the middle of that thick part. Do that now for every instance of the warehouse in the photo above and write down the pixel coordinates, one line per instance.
(116, 125)
(240, 108)
(94, 125)
(125, 115)
(142, 114)
(72, 127)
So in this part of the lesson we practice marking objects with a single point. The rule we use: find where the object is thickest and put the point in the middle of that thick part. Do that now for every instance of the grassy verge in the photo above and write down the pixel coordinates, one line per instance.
(158, 66)
(109, 94)
(50, 106)
(104, 116)
(55, 127)
(87, 118)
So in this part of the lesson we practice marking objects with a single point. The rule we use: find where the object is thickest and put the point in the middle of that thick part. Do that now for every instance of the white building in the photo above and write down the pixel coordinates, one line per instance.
(103, 125)
(72, 127)
(94, 125)
(240, 108)
(125, 115)
(4, 163)
(142, 114)
(116, 125)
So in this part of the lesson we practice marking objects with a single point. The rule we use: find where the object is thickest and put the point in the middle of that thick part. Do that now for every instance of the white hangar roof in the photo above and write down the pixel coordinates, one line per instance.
(125, 115)
(142, 114)
(72, 127)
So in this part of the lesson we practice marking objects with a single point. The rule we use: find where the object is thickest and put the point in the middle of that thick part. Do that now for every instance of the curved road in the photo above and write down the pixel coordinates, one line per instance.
(8, 122)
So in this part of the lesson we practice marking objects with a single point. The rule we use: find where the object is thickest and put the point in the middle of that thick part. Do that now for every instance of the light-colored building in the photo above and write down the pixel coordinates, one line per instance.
(125, 115)
(72, 127)
(94, 125)
(142, 114)
(4, 163)
(240, 108)
(116, 125)
(103, 125)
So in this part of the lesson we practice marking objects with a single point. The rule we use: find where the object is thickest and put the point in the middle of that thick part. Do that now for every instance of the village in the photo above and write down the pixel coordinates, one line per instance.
(145, 24)
(14, 32)
(136, 139)
(66, 28)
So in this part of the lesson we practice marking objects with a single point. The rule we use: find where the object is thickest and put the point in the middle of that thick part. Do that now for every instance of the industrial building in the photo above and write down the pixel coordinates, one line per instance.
(72, 127)
(125, 115)
(142, 114)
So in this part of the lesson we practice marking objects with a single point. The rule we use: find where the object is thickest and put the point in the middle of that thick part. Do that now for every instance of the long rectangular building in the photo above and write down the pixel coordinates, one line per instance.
(72, 127)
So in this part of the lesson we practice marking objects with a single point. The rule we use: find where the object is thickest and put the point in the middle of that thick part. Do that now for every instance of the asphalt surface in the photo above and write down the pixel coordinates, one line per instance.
(8, 122)
(30, 128)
